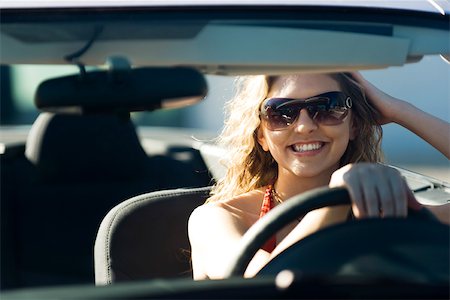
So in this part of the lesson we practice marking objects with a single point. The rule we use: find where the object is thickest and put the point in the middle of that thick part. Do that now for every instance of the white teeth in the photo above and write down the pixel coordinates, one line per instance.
(306, 147)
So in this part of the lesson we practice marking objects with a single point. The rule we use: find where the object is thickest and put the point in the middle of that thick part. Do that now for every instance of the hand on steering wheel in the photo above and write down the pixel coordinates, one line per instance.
(376, 190)
(421, 228)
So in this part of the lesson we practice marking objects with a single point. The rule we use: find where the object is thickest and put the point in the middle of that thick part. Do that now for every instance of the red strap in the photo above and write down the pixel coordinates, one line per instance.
(267, 205)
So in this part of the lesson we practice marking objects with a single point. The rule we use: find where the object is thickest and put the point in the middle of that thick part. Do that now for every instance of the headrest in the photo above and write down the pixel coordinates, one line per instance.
(128, 90)
(69, 147)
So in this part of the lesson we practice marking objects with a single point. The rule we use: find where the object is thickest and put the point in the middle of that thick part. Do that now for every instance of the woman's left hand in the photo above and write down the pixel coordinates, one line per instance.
(375, 190)
(385, 104)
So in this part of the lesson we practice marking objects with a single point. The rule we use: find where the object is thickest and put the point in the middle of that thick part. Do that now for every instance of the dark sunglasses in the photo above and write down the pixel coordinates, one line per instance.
(326, 109)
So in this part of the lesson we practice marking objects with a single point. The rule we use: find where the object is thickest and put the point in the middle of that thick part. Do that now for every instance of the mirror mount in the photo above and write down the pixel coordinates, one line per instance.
(119, 68)
(74, 57)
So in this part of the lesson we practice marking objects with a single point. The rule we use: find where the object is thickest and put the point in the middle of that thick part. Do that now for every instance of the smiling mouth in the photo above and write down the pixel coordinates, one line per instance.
(301, 148)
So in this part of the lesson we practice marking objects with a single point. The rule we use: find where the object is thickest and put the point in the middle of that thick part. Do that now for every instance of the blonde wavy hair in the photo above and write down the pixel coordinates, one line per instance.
(249, 167)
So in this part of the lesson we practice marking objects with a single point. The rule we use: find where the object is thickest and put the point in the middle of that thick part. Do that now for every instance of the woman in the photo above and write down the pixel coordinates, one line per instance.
(289, 134)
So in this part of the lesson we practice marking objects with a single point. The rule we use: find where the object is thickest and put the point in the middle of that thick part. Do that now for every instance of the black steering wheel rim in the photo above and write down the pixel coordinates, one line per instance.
(285, 213)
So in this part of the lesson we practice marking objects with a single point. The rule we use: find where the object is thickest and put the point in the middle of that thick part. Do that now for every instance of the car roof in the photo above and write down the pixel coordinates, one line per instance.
(224, 37)
(438, 6)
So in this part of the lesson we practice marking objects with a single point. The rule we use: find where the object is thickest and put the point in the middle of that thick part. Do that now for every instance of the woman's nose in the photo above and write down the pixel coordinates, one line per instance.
(304, 122)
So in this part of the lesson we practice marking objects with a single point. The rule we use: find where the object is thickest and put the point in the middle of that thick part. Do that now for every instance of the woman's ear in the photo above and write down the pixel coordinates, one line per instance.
(261, 139)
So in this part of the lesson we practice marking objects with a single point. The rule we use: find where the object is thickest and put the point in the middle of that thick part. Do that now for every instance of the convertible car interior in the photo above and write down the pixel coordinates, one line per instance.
(94, 206)
(80, 149)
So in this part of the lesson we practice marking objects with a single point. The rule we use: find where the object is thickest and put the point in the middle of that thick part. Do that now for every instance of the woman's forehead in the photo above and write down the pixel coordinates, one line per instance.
(302, 85)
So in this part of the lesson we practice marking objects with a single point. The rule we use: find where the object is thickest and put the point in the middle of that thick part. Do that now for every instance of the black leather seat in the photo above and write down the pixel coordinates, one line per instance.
(146, 237)
(75, 169)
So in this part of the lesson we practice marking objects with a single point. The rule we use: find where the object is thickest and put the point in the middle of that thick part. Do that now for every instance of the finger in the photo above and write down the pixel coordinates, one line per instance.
(400, 195)
(394, 199)
(370, 198)
(358, 206)
(356, 195)
(357, 76)
(411, 199)
(386, 199)
(387, 196)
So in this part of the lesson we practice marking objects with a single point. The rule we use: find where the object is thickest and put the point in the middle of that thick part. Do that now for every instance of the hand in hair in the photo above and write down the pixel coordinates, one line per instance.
(384, 103)
(430, 128)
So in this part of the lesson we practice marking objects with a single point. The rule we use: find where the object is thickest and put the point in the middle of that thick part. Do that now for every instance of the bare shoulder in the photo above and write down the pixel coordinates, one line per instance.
(240, 211)
(249, 202)
(216, 228)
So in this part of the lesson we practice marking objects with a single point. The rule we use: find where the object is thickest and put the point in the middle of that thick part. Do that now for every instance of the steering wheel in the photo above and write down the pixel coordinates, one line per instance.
(413, 248)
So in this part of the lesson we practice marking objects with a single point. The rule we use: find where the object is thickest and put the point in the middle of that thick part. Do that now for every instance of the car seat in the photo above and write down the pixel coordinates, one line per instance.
(73, 169)
(146, 237)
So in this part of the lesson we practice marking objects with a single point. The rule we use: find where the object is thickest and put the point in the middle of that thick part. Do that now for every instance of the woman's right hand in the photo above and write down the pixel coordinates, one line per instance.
(375, 190)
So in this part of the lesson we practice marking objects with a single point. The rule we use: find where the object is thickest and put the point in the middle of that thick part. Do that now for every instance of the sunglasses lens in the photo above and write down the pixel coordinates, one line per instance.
(330, 117)
(280, 113)
(280, 118)
(325, 115)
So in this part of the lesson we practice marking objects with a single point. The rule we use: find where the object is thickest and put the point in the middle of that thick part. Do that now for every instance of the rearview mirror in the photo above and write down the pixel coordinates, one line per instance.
(140, 89)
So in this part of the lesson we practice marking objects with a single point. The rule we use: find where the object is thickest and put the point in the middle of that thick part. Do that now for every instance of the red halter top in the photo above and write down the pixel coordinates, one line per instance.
(267, 205)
